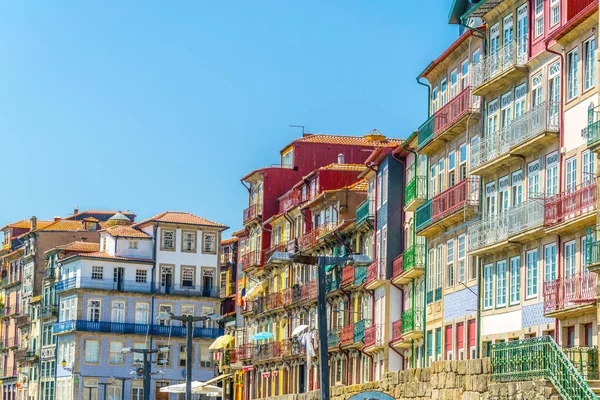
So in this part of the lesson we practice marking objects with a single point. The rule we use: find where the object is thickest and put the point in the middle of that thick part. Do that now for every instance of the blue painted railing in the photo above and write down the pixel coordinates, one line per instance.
(139, 329)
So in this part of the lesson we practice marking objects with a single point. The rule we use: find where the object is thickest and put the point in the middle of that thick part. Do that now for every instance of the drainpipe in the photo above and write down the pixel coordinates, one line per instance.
(560, 168)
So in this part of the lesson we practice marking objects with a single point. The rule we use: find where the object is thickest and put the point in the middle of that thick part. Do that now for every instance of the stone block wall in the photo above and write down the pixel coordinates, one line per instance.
(444, 380)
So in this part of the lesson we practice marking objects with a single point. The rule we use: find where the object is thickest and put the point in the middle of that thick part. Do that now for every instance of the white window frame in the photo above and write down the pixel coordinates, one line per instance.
(573, 74)
(501, 283)
(488, 286)
(589, 64)
(462, 258)
(539, 17)
(515, 280)
(570, 259)
(550, 262)
(554, 12)
(450, 263)
(531, 260)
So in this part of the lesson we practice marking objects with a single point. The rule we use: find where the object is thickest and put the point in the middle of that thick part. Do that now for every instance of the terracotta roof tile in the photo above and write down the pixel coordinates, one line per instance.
(344, 167)
(105, 255)
(63, 225)
(80, 246)
(175, 217)
(228, 241)
(99, 212)
(361, 186)
(347, 140)
(125, 231)
(26, 224)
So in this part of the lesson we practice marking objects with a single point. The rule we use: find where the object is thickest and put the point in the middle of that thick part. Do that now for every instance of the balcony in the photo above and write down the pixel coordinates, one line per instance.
(288, 201)
(447, 208)
(515, 226)
(376, 274)
(11, 342)
(359, 330)
(425, 133)
(494, 71)
(360, 275)
(12, 311)
(412, 323)
(565, 296)
(592, 131)
(365, 212)
(347, 335)
(572, 209)
(451, 120)
(375, 336)
(276, 248)
(525, 135)
(311, 238)
(396, 332)
(333, 338)
(271, 301)
(130, 328)
(415, 193)
(267, 352)
(251, 213)
(308, 292)
(250, 260)
(245, 351)
(293, 348)
(49, 273)
(333, 283)
(22, 321)
(409, 265)
(248, 307)
(347, 275)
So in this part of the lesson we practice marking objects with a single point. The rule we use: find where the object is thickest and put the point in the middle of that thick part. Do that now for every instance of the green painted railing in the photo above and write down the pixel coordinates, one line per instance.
(539, 358)
(415, 189)
(411, 320)
(414, 257)
(592, 243)
(360, 275)
(585, 360)
(423, 216)
(359, 329)
(333, 284)
(592, 131)
(425, 133)
(333, 338)
(364, 211)
(438, 294)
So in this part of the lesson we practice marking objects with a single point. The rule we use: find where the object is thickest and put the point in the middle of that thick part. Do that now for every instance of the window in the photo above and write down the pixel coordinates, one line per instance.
(506, 109)
(571, 178)
(142, 313)
(501, 283)
(104, 247)
(536, 90)
(385, 184)
(583, 258)
(495, 46)
(164, 358)
(550, 262)
(137, 393)
(114, 392)
(67, 309)
(492, 117)
(554, 12)
(117, 312)
(433, 181)
(205, 358)
(520, 94)
(539, 17)
(438, 271)
(490, 199)
(141, 276)
(450, 263)
(168, 240)
(507, 30)
(165, 309)
(464, 75)
(515, 280)
(532, 273)
(187, 276)
(434, 99)
(462, 162)
(589, 65)
(503, 192)
(461, 258)
(451, 169)
(517, 187)
(442, 175)
(587, 167)
(287, 159)
(92, 351)
(94, 310)
(443, 98)
(552, 173)
(488, 285)
(522, 31)
(115, 356)
(210, 240)
(533, 180)
(133, 244)
(572, 73)
(189, 241)
(570, 259)
(430, 261)
(188, 310)
(453, 83)
(554, 93)
(182, 356)
(97, 272)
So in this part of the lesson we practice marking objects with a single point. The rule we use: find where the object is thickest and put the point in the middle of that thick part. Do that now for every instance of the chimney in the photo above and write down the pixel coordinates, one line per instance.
(340, 158)
(76, 211)
(56, 218)
(33, 223)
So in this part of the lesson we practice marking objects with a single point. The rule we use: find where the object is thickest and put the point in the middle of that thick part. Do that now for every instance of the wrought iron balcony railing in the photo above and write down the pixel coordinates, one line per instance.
(566, 292)
(540, 119)
(497, 63)
(348, 275)
(570, 204)
(457, 108)
(412, 320)
(333, 338)
(397, 330)
(592, 131)
(250, 260)
(512, 222)
(130, 328)
(333, 283)
(415, 189)
(376, 271)
(288, 201)
(251, 213)
(584, 359)
(309, 239)
(364, 211)
(360, 328)
(539, 358)
(423, 216)
(425, 132)
(412, 258)
(360, 275)
(375, 335)
(347, 335)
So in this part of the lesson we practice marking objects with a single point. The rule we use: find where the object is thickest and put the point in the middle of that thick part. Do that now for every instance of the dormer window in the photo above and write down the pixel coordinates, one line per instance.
(90, 226)
(304, 193)
(168, 240)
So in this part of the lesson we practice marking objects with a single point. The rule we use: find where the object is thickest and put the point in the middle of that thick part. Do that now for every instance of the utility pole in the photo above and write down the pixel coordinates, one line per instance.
(146, 369)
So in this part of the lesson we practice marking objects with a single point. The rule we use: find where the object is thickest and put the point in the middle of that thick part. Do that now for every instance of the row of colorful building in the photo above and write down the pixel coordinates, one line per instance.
(78, 291)
(481, 225)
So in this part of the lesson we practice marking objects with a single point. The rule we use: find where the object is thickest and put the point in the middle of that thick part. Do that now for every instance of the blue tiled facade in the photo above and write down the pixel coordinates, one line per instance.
(533, 315)
(460, 304)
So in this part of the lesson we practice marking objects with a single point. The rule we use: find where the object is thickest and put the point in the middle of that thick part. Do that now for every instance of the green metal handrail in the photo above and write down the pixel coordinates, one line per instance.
(360, 275)
(333, 338)
(414, 257)
(364, 211)
(423, 215)
(584, 359)
(592, 243)
(536, 358)
(592, 131)
(359, 329)
(415, 189)
(333, 284)
(425, 133)
(411, 320)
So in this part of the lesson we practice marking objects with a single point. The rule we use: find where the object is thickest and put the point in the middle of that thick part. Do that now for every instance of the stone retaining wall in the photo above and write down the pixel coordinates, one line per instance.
(444, 380)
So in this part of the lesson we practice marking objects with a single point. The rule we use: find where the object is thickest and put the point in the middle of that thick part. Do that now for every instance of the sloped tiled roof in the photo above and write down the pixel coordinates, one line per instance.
(176, 217)
(343, 167)
(26, 224)
(99, 212)
(80, 246)
(63, 225)
(347, 140)
(228, 241)
(125, 231)
(361, 186)
(105, 255)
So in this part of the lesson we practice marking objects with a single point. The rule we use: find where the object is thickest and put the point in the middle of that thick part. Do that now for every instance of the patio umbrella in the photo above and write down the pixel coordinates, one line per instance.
(299, 329)
(263, 336)
(221, 342)
(197, 388)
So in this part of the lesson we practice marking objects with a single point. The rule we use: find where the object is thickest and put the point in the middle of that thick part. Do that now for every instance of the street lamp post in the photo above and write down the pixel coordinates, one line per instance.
(188, 320)
(147, 365)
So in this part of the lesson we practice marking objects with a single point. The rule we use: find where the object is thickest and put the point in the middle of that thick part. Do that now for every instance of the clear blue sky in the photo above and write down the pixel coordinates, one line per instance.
(155, 105)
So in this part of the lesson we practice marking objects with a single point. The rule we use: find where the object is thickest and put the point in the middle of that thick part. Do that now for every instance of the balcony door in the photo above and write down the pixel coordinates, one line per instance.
(166, 279)
(522, 32)
(554, 94)
(494, 50)
(119, 278)
(507, 41)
